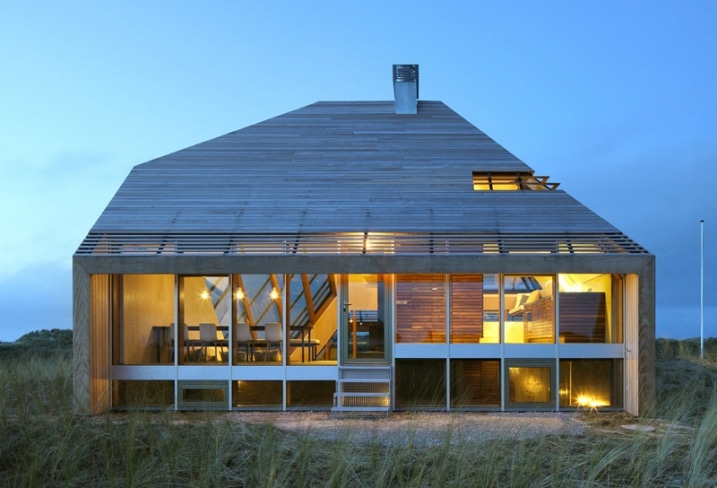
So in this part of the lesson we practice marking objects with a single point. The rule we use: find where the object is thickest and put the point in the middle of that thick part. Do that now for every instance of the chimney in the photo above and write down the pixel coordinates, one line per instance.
(405, 88)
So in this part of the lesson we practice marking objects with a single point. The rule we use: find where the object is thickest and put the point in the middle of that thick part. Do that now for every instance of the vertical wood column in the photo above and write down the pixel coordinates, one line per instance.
(81, 340)
(646, 329)
(91, 338)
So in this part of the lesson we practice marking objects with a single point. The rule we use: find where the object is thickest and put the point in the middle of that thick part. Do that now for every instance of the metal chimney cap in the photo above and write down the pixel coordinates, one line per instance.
(406, 73)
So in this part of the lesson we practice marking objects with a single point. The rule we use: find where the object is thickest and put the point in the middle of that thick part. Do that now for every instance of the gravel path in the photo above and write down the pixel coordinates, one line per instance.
(402, 428)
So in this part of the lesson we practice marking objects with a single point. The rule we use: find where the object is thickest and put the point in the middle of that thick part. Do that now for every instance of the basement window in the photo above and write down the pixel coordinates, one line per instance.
(510, 181)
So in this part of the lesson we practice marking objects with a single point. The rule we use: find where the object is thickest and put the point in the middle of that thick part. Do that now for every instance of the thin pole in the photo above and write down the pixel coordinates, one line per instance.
(702, 289)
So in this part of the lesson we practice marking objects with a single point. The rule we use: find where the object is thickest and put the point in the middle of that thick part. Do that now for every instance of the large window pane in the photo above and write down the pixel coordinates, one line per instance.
(420, 308)
(143, 327)
(466, 299)
(491, 309)
(591, 383)
(529, 309)
(143, 394)
(204, 312)
(475, 383)
(259, 300)
(202, 395)
(590, 308)
(310, 394)
(420, 383)
(257, 394)
(312, 319)
(530, 384)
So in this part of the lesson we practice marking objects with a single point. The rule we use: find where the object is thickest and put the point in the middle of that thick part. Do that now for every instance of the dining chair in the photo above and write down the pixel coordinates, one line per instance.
(273, 336)
(209, 338)
(244, 339)
(190, 344)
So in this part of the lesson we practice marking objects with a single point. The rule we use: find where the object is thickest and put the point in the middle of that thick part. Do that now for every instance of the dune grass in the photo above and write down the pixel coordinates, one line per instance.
(43, 444)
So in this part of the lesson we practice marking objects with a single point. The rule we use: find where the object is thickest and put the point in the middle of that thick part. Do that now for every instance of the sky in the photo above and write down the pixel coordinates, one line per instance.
(614, 100)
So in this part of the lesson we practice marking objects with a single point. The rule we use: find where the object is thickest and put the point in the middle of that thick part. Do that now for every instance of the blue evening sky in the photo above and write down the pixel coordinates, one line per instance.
(615, 100)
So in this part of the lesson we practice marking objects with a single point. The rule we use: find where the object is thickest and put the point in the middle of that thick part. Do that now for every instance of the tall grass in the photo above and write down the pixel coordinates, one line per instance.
(43, 444)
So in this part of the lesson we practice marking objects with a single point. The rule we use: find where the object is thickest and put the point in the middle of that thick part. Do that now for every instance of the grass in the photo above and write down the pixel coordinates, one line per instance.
(43, 444)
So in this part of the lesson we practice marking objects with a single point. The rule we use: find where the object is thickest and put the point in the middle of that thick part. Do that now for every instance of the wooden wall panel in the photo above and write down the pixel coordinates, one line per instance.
(81, 346)
(539, 321)
(582, 317)
(420, 308)
(147, 300)
(475, 383)
(631, 345)
(100, 313)
(647, 389)
(466, 299)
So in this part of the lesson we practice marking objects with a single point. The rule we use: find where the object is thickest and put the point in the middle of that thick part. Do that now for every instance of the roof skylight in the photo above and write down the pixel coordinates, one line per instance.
(510, 181)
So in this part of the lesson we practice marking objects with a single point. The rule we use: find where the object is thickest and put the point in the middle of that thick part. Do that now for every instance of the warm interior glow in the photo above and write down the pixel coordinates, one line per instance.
(568, 283)
(204, 295)
(239, 294)
(274, 294)
(510, 181)
(589, 401)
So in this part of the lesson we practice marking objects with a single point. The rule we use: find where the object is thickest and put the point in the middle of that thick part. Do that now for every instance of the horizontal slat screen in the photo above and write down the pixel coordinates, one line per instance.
(582, 317)
(466, 308)
(353, 243)
(475, 383)
(420, 308)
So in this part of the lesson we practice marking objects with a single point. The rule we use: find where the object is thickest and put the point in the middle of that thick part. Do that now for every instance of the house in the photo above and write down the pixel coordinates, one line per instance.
(358, 256)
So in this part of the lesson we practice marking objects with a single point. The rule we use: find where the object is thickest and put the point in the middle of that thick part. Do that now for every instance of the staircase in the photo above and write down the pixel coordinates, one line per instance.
(363, 389)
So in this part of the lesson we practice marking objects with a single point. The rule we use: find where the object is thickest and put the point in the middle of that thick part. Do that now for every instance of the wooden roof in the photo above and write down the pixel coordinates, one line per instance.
(334, 167)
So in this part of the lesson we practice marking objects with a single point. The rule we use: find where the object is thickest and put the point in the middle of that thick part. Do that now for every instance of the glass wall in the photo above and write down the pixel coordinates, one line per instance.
(590, 308)
(529, 309)
(245, 317)
(142, 328)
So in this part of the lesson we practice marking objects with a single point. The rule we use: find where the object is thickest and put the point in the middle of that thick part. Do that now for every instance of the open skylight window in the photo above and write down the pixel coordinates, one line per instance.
(510, 181)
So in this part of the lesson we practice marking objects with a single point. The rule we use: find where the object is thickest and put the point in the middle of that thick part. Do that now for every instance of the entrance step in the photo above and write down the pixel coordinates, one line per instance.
(363, 389)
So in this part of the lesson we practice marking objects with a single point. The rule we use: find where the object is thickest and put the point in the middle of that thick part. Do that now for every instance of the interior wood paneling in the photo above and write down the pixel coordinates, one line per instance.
(100, 313)
(466, 299)
(582, 317)
(420, 308)
(475, 383)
